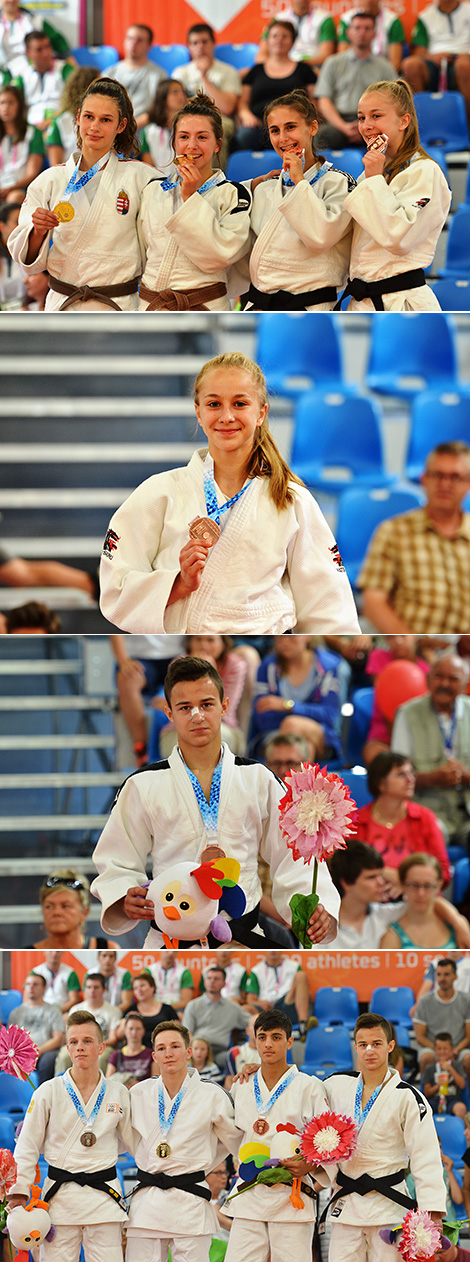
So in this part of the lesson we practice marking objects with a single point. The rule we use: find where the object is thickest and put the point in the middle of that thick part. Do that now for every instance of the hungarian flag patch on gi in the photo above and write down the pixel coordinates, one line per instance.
(122, 202)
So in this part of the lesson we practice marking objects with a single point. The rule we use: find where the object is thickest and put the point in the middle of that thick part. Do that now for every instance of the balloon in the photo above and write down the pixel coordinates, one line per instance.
(399, 682)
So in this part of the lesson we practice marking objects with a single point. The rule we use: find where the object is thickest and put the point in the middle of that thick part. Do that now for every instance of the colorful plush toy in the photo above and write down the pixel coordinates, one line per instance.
(30, 1225)
(192, 900)
(259, 1162)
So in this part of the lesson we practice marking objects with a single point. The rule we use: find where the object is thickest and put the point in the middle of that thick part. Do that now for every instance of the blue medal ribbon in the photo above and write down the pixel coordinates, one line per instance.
(167, 1122)
(213, 509)
(323, 170)
(447, 736)
(361, 1114)
(87, 1121)
(264, 1108)
(209, 809)
(78, 181)
(210, 183)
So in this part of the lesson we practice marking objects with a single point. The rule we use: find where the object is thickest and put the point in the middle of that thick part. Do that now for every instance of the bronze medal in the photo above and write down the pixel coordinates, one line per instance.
(378, 142)
(64, 211)
(205, 529)
(163, 1150)
(88, 1139)
(211, 852)
(261, 1126)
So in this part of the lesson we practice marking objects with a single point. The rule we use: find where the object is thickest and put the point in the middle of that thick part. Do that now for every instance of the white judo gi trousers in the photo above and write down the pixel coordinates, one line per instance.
(360, 1244)
(252, 1241)
(101, 1243)
(155, 1248)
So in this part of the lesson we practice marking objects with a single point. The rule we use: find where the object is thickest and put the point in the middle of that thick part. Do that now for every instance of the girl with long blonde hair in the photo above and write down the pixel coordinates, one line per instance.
(232, 540)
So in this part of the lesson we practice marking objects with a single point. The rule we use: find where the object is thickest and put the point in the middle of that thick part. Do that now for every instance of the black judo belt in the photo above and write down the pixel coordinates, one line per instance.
(88, 1178)
(282, 300)
(373, 289)
(183, 1182)
(242, 931)
(386, 1186)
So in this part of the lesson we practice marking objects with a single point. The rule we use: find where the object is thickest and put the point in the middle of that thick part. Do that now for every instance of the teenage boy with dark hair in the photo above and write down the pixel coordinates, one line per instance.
(396, 1129)
(266, 1223)
(201, 802)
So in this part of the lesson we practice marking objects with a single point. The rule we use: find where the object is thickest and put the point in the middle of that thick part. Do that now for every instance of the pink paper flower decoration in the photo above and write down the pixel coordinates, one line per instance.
(18, 1053)
(316, 813)
(420, 1238)
(8, 1172)
(328, 1137)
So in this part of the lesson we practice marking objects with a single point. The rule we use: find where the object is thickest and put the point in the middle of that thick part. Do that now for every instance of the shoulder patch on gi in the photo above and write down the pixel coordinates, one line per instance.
(110, 544)
(423, 202)
(337, 558)
(422, 1106)
(150, 766)
(122, 202)
(350, 178)
(244, 196)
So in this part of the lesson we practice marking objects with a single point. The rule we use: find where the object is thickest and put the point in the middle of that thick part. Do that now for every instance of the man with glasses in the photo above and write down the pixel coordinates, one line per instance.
(445, 1008)
(285, 753)
(415, 575)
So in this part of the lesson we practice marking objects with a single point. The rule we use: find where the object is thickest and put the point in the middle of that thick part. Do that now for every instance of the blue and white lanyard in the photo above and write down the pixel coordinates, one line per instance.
(447, 734)
(360, 1115)
(323, 170)
(166, 1123)
(209, 809)
(77, 181)
(264, 1108)
(87, 1121)
(210, 183)
(213, 509)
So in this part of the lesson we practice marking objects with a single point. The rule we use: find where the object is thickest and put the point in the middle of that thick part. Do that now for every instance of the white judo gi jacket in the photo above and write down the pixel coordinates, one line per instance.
(202, 1134)
(156, 813)
(52, 1127)
(269, 572)
(396, 228)
(100, 245)
(398, 1130)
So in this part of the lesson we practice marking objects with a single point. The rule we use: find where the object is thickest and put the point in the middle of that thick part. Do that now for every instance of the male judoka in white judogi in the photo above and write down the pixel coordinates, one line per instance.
(183, 1128)
(266, 1222)
(100, 246)
(81, 1141)
(190, 244)
(396, 1129)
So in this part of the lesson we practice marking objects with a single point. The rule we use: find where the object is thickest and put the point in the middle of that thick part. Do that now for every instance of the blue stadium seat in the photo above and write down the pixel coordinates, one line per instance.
(237, 55)
(466, 201)
(297, 353)
(457, 264)
(363, 701)
(349, 160)
(336, 1005)
(8, 1126)
(450, 1130)
(359, 514)
(15, 1094)
(169, 56)
(402, 1035)
(99, 55)
(410, 353)
(461, 880)
(442, 120)
(247, 164)
(337, 439)
(452, 295)
(439, 156)
(9, 999)
(357, 783)
(435, 418)
(394, 1003)
(327, 1048)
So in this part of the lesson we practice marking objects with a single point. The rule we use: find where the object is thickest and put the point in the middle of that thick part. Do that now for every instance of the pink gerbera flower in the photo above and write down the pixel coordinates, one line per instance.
(328, 1137)
(316, 812)
(18, 1053)
(420, 1238)
(8, 1172)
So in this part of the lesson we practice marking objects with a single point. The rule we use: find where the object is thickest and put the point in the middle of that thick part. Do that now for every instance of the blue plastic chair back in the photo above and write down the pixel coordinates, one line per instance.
(363, 701)
(297, 353)
(9, 999)
(336, 1005)
(348, 160)
(402, 1035)
(327, 1048)
(409, 353)
(442, 120)
(461, 881)
(451, 1132)
(466, 202)
(15, 1094)
(452, 295)
(237, 55)
(457, 264)
(8, 1125)
(357, 783)
(394, 1003)
(326, 450)
(436, 418)
(361, 511)
(99, 55)
(247, 164)
(169, 56)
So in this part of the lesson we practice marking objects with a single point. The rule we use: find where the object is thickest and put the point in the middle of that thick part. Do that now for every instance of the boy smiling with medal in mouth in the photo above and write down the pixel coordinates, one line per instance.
(80, 1122)
(183, 1128)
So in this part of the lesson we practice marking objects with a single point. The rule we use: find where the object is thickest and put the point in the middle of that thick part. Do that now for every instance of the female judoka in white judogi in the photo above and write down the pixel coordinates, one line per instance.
(193, 227)
(300, 258)
(79, 221)
(269, 566)
(399, 207)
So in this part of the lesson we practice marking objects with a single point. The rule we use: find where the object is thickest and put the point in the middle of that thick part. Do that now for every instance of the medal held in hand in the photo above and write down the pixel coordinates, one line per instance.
(379, 142)
(205, 529)
(64, 211)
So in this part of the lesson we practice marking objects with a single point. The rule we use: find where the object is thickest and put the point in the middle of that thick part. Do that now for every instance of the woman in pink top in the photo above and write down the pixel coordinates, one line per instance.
(394, 824)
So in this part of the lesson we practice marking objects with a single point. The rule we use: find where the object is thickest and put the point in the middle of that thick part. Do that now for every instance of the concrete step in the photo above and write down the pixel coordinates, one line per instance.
(62, 780)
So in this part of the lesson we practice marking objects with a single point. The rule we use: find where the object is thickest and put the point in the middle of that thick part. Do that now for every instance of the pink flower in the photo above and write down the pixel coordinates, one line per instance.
(328, 1137)
(8, 1172)
(420, 1238)
(18, 1053)
(316, 812)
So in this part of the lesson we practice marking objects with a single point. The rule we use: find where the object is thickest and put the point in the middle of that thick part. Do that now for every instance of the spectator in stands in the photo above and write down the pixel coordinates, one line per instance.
(434, 732)
(132, 1062)
(44, 1022)
(118, 981)
(143, 661)
(60, 138)
(213, 1017)
(341, 83)
(15, 25)
(65, 899)
(137, 74)
(217, 1180)
(396, 825)
(448, 1007)
(145, 1002)
(32, 618)
(389, 34)
(12, 283)
(285, 753)
(443, 1085)
(232, 668)
(245, 1054)
(21, 146)
(419, 926)
(155, 142)
(203, 1060)
(106, 1014)
(399, 648)
(235, 976)
(415, 575)
(315, 37)
(42, 80)
(174, 983)
(279, 982)
(355, 649)
(204, 73)
(17, 572)
(62, 984)
(278, 75)
(440, 50)
(298, 693)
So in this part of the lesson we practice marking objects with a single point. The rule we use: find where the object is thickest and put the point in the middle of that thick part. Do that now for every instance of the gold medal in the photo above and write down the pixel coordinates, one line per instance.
(185, 156)
(261, 1126)
(64, 211)
(163, 1150)
(88, 1139)
(205, 529)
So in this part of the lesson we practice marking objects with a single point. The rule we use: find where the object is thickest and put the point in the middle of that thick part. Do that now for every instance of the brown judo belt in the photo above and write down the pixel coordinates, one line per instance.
(182, 299)
(97, 293)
